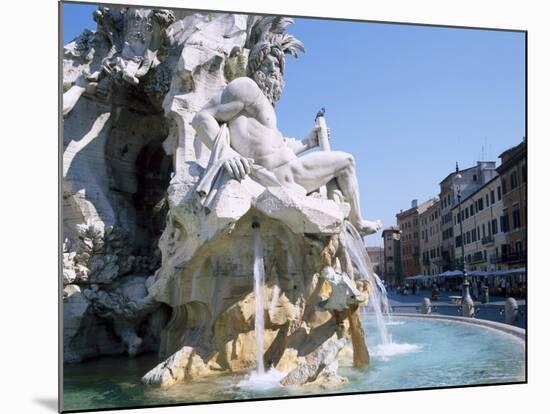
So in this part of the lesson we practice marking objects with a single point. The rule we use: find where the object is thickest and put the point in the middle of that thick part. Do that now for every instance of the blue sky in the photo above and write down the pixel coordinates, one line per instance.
(407, 101)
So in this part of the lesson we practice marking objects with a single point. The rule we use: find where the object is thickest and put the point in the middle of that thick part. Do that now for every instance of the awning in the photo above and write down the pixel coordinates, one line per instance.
(519, 270)
(508, 272)
(479, 273)
(416, 277)
(451, 273)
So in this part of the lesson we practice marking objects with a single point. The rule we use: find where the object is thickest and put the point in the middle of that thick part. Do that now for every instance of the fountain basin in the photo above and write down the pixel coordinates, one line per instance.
(427, 352)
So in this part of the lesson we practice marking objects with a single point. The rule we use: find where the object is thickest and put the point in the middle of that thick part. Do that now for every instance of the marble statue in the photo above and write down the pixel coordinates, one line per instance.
(246, 105)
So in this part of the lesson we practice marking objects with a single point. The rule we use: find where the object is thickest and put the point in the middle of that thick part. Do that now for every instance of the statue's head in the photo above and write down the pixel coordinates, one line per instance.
(266, 61)
(266, 66)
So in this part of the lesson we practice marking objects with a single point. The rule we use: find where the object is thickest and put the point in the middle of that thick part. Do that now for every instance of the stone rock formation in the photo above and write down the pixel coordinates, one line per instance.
(148, 265)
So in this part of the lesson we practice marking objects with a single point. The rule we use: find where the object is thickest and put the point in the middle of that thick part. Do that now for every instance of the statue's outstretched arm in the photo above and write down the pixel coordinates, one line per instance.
(309, 142)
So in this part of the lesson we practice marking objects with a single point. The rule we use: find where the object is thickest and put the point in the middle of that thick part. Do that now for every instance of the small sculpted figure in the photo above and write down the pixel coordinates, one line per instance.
(135, 37)
(246, 108)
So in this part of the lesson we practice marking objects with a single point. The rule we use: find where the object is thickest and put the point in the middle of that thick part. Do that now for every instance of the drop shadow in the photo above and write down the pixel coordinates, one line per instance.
(49, 403)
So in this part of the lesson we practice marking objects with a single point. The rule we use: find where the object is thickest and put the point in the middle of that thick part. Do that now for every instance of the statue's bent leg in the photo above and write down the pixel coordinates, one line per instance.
(316, 169)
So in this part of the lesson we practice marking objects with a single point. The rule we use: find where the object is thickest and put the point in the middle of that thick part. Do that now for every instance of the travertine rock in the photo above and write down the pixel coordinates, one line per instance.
(320, 365)
(301, 213)
(184, 365)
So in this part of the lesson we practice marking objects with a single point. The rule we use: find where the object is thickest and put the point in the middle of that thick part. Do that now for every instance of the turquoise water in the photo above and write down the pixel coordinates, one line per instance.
(424, 353)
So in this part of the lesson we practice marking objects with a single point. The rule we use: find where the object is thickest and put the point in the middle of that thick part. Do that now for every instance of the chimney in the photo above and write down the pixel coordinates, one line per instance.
(414, 203)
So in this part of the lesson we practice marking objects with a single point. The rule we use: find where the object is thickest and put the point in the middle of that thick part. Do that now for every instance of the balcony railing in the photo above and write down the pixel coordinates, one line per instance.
(477, 258)
(520, 256)
(509, 257)
(487, 240)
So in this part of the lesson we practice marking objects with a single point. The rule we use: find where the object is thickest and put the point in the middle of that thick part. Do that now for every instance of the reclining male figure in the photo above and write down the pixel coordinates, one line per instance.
(246, 104)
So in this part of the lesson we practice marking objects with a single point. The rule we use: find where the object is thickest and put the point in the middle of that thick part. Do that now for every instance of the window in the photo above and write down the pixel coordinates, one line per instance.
(458, 241)
(518, 247)
(516, 219)
(504, 223)
(499, 194)
(504, 191)
(483, 230)
(513, 180)
(468, 240)
(480, 204)
(492, 197)
(478, 233)
(524, 173)
(472, 210)
(494, 225)
(487, 199)
(467, 215)
(474, 178)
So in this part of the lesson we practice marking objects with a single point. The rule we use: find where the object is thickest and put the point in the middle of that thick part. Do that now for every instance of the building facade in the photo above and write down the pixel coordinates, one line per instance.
(513, 176)
(376, 256)
(392, 255)
(468, 180)
(482, 230)
(430, 240)
(408, 222)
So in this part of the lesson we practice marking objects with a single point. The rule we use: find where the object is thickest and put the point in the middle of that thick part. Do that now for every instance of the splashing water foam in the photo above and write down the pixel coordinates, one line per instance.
(385, 351)
(264, 381)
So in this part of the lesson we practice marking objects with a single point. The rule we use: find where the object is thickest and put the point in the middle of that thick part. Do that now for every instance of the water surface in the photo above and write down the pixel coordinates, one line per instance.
(422, 353)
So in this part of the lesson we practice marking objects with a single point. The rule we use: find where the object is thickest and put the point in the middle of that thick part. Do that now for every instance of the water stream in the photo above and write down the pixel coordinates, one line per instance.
(260, 379)
(259, 278)
(378, 299)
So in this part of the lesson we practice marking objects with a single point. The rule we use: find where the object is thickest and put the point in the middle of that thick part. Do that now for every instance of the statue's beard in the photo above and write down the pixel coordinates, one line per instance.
(272, 87)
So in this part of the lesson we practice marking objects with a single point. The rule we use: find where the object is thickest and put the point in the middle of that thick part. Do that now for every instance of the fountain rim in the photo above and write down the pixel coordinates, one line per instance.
(518, 333)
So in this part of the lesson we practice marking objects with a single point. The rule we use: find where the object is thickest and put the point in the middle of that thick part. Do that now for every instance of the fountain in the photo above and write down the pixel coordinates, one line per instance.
(223, 340)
